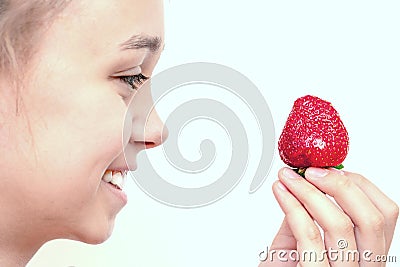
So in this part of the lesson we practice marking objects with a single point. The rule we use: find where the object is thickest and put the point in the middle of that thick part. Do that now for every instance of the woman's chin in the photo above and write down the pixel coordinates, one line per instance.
(95, 234)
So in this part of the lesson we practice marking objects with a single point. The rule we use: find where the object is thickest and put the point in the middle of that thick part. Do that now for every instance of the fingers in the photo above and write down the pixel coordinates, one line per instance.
(283, 241)
(368, 220)
(386, 206)
(334, 222)
(361, 215)
(303, 228)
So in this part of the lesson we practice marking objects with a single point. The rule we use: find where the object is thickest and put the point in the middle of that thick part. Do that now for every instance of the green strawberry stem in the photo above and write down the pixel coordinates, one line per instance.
(302, 171)
(339, 167)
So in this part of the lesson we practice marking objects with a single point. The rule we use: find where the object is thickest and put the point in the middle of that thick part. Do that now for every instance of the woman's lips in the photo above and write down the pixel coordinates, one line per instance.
(114, 181)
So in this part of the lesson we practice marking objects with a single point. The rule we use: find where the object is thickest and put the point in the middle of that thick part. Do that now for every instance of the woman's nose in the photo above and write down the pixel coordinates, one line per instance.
(148, 130)
(155, 132)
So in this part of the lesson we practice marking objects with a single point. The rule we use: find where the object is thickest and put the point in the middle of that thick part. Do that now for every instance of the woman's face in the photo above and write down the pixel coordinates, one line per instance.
(77, 107)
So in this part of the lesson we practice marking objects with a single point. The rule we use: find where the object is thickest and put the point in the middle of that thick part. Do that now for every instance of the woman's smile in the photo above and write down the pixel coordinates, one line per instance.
(115, 181)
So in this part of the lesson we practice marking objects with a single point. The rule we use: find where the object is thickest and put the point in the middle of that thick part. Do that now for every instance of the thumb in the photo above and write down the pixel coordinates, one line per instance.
(283, 241)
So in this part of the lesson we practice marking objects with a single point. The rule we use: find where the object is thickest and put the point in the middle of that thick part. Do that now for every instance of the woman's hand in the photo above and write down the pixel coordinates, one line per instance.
(355, 231)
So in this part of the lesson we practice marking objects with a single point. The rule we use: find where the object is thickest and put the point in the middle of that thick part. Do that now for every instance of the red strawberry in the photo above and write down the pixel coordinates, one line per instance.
(314, 135)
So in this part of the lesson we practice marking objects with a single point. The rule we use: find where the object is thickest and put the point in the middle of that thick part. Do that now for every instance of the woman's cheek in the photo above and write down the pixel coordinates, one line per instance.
(73, 164)
(88, 137)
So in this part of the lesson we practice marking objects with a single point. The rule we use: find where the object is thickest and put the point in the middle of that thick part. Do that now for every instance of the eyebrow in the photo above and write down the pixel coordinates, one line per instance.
(152, 43)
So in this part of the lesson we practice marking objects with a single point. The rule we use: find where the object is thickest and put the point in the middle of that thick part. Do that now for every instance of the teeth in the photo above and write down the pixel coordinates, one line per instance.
(107, 176)
(117, 178)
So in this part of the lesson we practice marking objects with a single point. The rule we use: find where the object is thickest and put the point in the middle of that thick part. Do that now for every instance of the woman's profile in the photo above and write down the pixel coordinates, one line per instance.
(72, 114)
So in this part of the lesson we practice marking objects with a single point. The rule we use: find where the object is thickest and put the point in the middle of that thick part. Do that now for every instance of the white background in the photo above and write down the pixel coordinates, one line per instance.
(344, 51)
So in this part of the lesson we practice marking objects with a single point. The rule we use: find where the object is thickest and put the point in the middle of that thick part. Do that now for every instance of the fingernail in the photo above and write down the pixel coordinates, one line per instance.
(288, 173)
(316, 172)
(337, 171)
(282, 187)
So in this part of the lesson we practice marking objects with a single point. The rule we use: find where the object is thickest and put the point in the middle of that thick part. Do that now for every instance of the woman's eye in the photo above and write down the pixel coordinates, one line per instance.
(134, 81)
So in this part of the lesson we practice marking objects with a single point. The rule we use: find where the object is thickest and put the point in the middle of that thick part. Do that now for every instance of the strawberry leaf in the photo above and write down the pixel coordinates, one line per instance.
(339, 167)
(302, 171)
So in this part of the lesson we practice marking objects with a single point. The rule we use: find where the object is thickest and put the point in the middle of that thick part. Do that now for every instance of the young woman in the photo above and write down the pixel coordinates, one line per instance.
(68, 70)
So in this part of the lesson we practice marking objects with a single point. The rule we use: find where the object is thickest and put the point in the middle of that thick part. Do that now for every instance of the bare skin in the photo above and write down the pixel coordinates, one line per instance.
(362, 216)
(77, 108)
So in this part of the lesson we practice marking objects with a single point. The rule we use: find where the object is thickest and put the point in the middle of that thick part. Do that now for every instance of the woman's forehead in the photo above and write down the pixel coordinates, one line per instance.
(112, 23)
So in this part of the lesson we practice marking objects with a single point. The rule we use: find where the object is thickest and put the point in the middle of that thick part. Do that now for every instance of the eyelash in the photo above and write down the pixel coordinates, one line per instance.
(134, 81)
